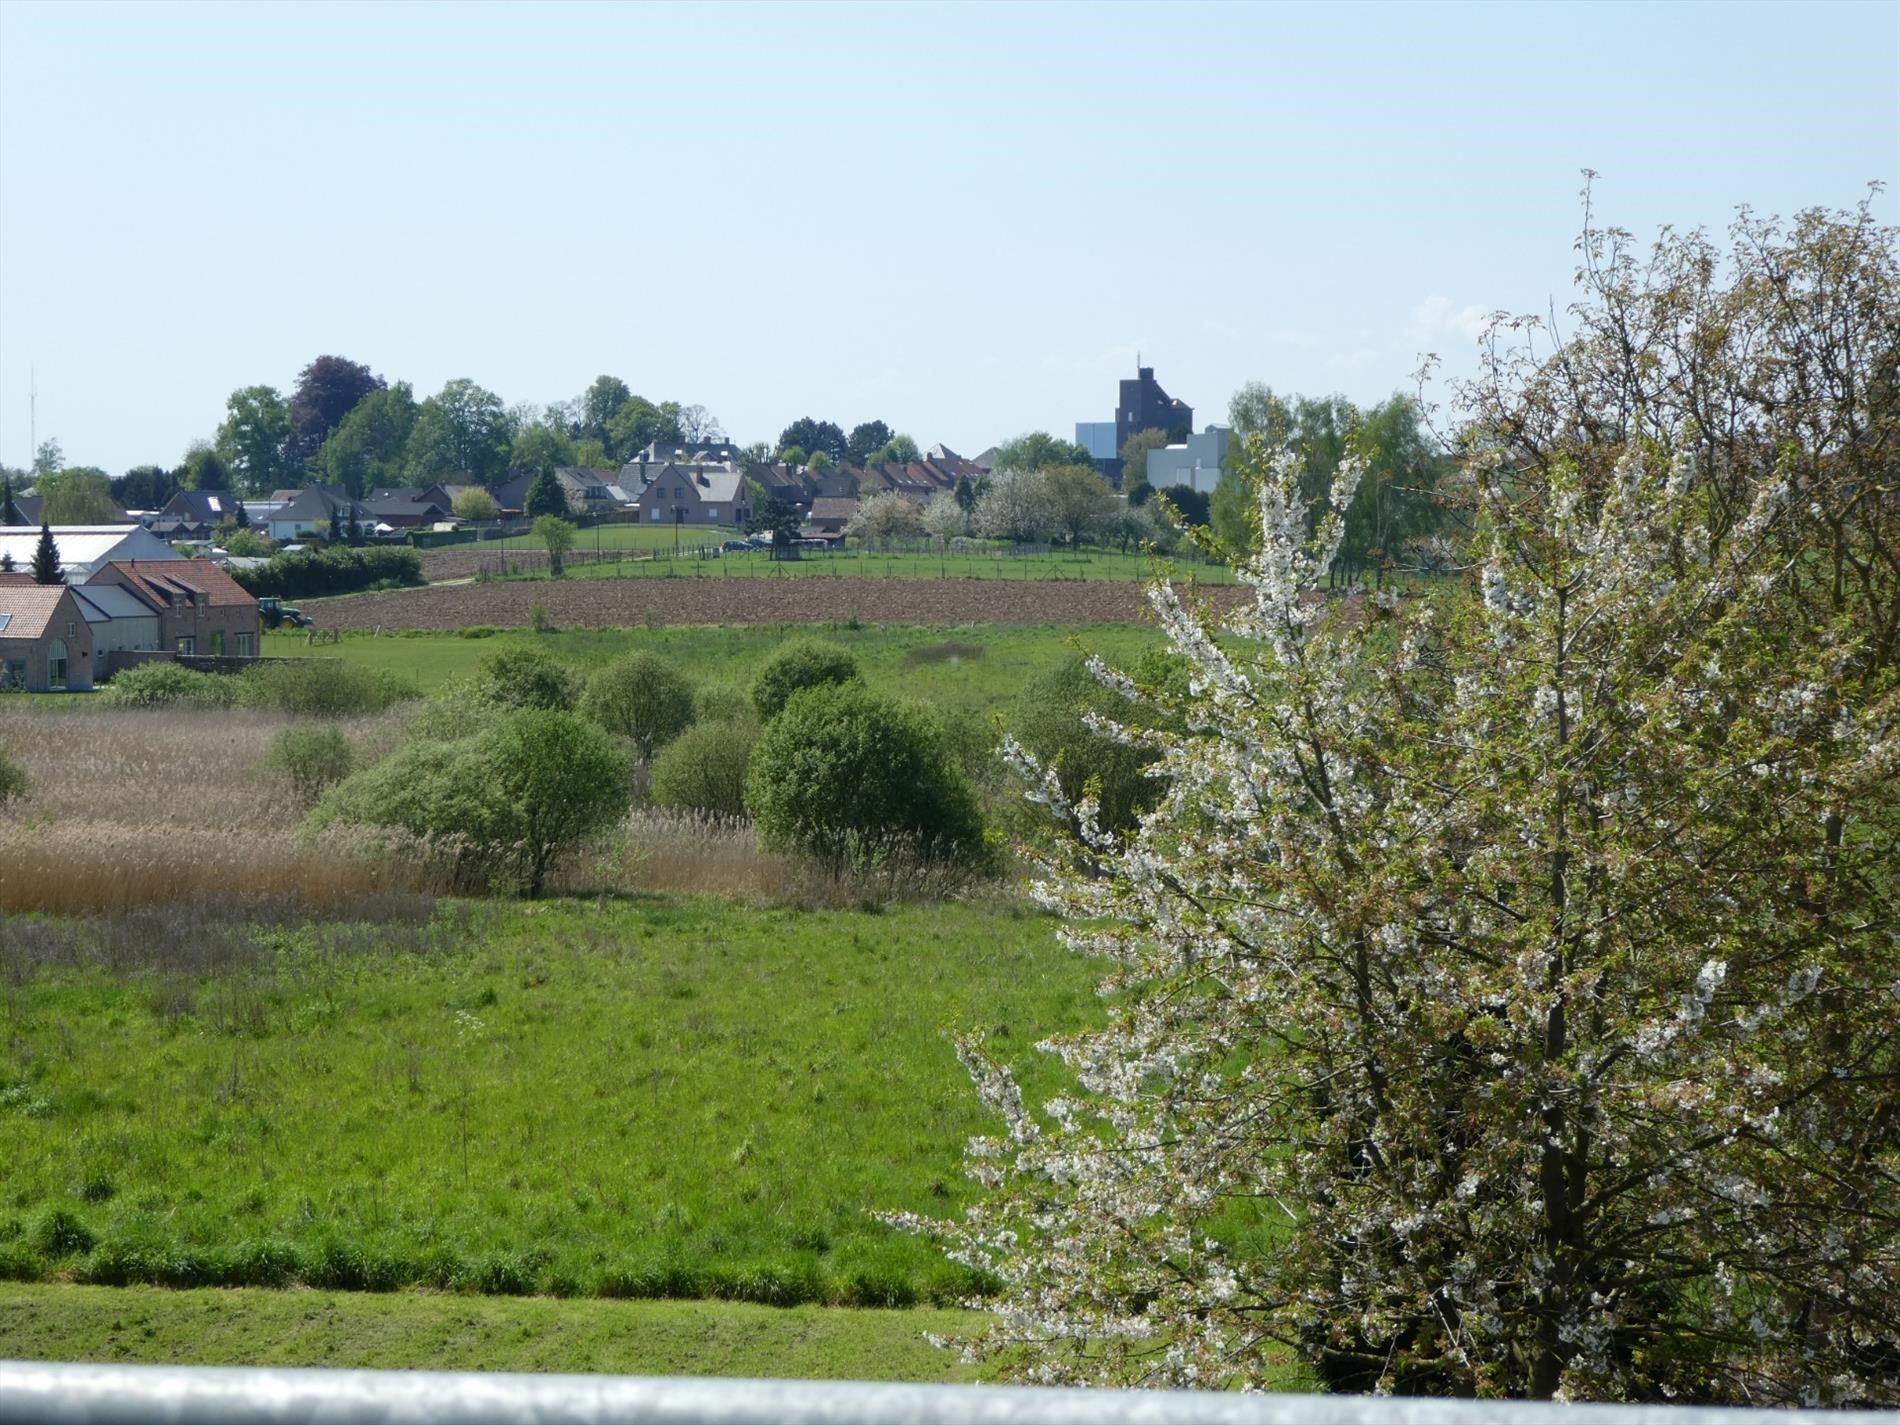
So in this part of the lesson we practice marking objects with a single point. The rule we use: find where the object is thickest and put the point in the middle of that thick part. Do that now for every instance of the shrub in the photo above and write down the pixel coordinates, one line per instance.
(1047, 719)
(13, 779)
(323, 687)
(641, 697)
(331, 571)
(310, 758)
(163, 684)
(528, 678)
(856, 781)
(60, 1234)
(505, 803)
(805, 664)
(704, 769)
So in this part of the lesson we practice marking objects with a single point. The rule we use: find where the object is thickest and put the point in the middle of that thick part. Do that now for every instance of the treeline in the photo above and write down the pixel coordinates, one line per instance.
(344, 425)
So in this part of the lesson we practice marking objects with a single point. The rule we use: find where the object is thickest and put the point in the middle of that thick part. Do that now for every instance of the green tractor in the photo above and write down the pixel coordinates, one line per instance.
(277, 613)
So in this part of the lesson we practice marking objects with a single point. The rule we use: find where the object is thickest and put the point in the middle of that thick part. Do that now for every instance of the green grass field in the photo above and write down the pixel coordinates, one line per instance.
(623, 535)
(979, 667)
(671, 1097)
(406, 1330)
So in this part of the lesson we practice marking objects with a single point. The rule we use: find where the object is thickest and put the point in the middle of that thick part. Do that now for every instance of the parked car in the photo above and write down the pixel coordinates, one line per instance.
(732, 545)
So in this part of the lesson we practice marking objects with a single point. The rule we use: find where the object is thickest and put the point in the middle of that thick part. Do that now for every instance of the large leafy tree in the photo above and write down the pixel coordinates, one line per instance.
(370, 449)
(1134, 455)
(463, 430)
(599, 404)
(1038, 450)
(145, 487)
(80, 495)
(636, 423)
(204, 470)
(254, 440)
(539, 447)
(811, 436)
(1080, 502)
(865, 441)
(328, 389)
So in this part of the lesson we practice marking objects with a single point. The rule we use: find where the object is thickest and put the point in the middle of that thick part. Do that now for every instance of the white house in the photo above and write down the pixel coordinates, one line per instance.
(84, 549)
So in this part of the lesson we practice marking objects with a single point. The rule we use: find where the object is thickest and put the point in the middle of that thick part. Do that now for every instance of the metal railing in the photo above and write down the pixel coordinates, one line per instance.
(119, 1395)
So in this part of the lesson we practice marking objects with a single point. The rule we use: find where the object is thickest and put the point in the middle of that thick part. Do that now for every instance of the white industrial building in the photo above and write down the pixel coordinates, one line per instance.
(1196, 462)
(84, 549)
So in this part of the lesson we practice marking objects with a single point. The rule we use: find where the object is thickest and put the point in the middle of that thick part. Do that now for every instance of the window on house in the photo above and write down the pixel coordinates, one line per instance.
(712, 512)
(16, 674)
(217, 643)
(56, 663)
(187, 646)
(245, 645)
(72, 629)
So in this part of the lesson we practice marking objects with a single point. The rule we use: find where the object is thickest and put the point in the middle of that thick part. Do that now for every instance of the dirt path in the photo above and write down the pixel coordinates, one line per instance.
(619, 603)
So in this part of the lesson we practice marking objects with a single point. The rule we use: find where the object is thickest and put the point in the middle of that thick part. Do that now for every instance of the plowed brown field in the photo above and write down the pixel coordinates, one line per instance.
(620, 603)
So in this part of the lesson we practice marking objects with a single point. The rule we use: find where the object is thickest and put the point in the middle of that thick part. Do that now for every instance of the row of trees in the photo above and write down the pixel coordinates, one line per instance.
(809, 441)
(344, 425)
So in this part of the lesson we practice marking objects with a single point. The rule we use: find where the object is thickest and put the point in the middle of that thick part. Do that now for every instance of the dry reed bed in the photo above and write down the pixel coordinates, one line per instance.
(141, 807)
(137, 807)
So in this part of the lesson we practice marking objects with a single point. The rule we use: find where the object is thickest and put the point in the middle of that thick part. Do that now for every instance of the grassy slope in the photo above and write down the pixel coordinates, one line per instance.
(410, 1329)
(978, 667)
(676, 1097)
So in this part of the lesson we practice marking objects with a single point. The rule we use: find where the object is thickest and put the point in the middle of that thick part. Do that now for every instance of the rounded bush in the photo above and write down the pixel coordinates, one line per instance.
(528, 678)
(855, 781)
(704, 769)
(506, 802)
(323, 687)
(310, 759)
(641, 697)
(805, 664)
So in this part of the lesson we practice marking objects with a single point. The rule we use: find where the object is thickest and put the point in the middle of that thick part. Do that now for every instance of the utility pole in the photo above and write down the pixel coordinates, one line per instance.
(32, 417)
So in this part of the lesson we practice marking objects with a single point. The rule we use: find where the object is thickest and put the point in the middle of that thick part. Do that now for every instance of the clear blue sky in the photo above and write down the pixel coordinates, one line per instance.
(963, 220)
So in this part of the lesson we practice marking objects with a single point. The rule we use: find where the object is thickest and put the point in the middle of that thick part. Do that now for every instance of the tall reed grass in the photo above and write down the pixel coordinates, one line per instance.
(131, 808)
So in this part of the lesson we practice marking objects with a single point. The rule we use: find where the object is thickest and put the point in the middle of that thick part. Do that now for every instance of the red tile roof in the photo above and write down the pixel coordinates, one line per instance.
(159, 579)
(27, 611)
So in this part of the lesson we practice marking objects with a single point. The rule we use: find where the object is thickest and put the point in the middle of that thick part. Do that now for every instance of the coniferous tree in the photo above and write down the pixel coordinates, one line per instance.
(46, 568)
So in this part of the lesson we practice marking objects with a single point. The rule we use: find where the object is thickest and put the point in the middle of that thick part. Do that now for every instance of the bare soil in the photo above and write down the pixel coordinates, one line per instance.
(621, 603)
